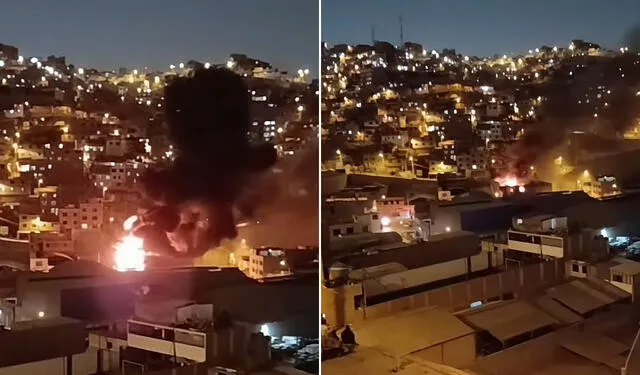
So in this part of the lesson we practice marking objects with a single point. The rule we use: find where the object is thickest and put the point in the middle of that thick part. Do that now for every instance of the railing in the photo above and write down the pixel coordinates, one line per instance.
(176, 342)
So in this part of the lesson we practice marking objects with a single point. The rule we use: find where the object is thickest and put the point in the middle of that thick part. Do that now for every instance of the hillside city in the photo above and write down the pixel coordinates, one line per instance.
(76, 142)
(479, 214)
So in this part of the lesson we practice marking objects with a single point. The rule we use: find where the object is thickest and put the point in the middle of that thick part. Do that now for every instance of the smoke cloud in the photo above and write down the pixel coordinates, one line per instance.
(208, 120)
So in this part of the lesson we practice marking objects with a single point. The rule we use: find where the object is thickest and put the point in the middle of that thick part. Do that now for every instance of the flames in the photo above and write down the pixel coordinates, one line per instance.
(129, 254)
(509, 180)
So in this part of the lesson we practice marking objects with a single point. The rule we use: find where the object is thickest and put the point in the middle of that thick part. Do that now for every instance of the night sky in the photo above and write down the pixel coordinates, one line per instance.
(107, 34)
(480, 27)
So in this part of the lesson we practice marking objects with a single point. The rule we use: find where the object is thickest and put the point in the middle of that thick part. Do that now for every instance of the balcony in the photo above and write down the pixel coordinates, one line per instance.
(175, 342)
(541, 244)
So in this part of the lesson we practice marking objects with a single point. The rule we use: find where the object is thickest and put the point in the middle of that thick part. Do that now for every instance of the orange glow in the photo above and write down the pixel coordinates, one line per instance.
(509, 181)
(129, 254)
(128, 224)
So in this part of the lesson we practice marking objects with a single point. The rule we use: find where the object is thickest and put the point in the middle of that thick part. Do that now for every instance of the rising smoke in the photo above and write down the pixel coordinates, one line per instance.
(208, 120)
(565, 109)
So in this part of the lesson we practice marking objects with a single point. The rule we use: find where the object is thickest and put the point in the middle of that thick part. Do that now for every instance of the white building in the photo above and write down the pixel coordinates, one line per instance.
(267, 262)
(542, 235)
(358, 224)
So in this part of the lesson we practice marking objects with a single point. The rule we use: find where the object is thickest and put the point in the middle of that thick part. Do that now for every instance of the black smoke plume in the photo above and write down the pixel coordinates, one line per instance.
(208, 120)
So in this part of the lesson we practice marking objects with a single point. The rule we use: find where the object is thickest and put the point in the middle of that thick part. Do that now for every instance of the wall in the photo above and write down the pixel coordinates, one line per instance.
(83, 364)
(54, 366)
(456, 353)
(339, 307)
(425, 275)
(396, 186)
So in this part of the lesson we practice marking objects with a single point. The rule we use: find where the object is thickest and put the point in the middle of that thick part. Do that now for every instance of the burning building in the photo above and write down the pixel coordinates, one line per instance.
(510, 186)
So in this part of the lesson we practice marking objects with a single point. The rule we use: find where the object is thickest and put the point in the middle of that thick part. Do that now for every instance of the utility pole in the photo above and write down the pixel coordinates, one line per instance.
(401, 32)
(634, 347)
(373, 34)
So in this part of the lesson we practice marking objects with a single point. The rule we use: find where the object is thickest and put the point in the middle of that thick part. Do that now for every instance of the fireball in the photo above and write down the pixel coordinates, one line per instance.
(510, 181)
(129, 254)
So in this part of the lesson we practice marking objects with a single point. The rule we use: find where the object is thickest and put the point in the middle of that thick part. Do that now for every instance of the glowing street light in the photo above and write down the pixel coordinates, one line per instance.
(413, 169)
(340, 159)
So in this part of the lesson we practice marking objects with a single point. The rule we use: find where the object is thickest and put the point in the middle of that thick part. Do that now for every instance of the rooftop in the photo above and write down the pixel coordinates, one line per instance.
(413, 331)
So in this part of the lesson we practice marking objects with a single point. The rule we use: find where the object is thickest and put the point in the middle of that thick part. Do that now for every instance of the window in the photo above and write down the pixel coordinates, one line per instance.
(584, 269)
(358, 302)
(349, 230)
(169, 334)
(336, 232)
(522, 237)
(141, 329)
(575, 267)
(188, 338)
(617, 278)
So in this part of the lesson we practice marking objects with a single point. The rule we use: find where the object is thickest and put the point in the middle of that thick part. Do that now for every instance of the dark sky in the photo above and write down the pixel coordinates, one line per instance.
(480, 27)
(156, 33)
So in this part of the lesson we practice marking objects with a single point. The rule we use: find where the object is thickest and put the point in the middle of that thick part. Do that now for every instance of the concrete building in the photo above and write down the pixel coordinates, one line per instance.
(491, 131)
(55, 346)
(267, 262)
(140, 311)
(35, 223)
(116, 147)
(87, 215)
(471, 160)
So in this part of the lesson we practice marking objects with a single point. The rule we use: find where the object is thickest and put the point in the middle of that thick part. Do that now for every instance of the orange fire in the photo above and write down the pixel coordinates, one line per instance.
(510, 181)
(129, 254)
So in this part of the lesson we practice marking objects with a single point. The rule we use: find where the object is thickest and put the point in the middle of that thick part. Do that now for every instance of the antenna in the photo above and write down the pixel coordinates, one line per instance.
(401, 32)
(373, 34)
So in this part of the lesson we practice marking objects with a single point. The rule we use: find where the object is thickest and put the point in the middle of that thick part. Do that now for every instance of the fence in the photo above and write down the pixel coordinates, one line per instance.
(339, 308)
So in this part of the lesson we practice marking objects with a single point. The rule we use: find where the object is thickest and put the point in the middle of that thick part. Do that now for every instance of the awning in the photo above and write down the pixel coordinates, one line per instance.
(579, 297)
(510, 320)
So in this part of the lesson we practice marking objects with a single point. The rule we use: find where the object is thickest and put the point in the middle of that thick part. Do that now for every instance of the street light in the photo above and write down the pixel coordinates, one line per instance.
(339, 153)
(413, 169)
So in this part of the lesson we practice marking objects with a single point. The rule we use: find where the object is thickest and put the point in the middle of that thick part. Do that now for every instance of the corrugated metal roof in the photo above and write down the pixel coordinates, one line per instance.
(509, 320)
(555, 309)
(579, 297)
(591, 345)
(412, 331)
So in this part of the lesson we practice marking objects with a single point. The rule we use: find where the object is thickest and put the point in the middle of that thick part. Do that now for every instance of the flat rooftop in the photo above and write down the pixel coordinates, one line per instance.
(43, 323)
(367, 360)
(412, 330)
